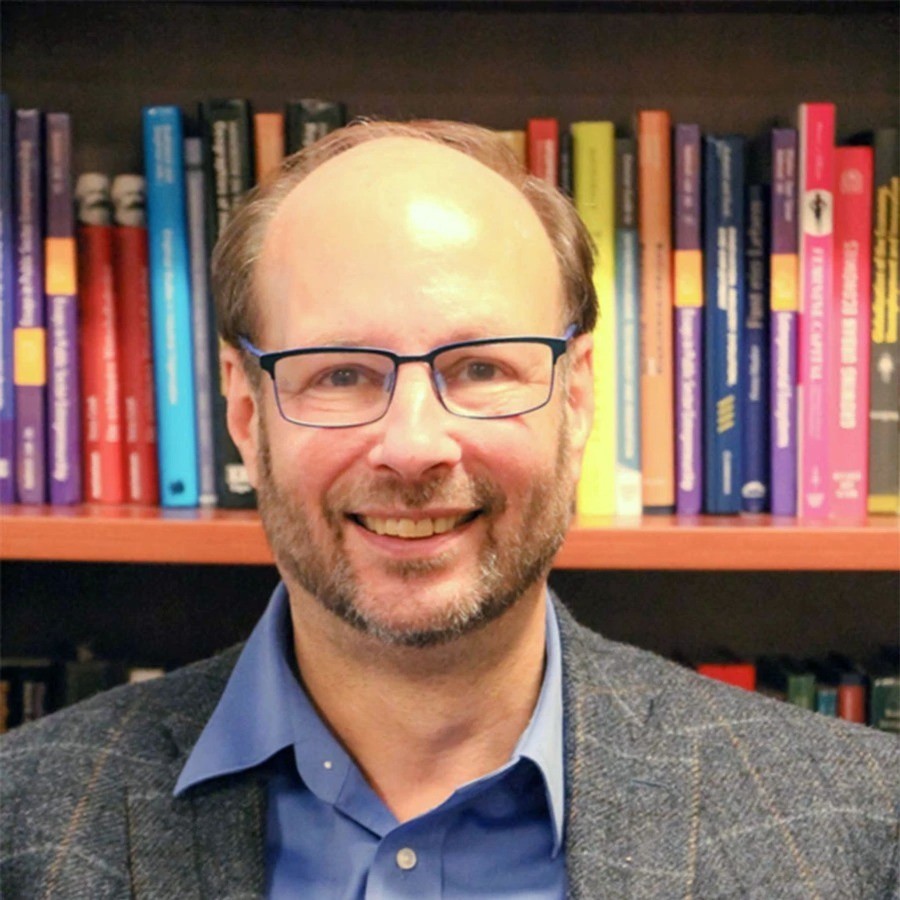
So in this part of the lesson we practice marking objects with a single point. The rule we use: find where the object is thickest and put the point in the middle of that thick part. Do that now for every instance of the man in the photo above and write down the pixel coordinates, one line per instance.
(408, 376)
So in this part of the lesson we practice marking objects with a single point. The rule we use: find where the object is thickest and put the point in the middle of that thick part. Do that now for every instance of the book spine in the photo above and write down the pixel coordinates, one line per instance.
(170, 307)
(268, 144)
(103, 452)
(884, 416)
(229, 174)
(725, 312)
(755, 360)
(567, 164)
(30, 336)
(594, 161)
(516, 142)
(657, 346)
(688, 287)
(783, 302)
(61, 292)
(309, 120)
(816, 222)
(848, 362)
(7, 309)
(628, 336)
(201, 304)
(543, 149)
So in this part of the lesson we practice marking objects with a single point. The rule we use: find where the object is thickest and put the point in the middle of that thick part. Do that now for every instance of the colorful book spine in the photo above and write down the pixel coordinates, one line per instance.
(594, 167)
(309, 120)
(206, 379)
(229, 175)
(61, 294)
(657, 345)
(101, 401)
(848, 360)
(170, 306)
(755, 358)
(783, 303)
(816, 201)
(884, 416)
(30, 336)
(725, 312)
(7, 309)
(132, 280)
(688, 287)
(268, 144)
(543, 149)
(628, 333)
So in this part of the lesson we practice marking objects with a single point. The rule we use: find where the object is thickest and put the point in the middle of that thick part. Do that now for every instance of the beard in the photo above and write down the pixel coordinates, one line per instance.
(506, 568)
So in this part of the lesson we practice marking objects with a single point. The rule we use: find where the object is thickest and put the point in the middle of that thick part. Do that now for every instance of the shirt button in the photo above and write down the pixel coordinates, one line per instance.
(406, 858)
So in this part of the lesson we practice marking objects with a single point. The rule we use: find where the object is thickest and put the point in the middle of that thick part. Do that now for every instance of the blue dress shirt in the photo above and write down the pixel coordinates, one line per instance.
(328, 834)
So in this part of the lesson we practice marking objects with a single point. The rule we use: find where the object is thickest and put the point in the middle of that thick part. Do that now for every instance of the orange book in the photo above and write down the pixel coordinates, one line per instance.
(654, 136)
(268, 139)
(543, 149)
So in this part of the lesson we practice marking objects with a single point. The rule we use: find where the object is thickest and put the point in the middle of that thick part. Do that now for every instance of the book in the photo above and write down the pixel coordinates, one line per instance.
(32, 687)
(61, 297)
(628, 336)
(848, 351)
(227, 148)
(816, 127)
(268, 144)
(29, 335)
(688, 297)
(725, 311)
(101, 401)
(594, 168)
(567, 164)
(7, 309)
(310, 119)
(755, 357)
(132, 292)
(515, 140)
(783, 303)
(205, 358)
(542, 141)
(884, 690)
(170, 307)
(731, 670)
(657, 342)
(884, 453)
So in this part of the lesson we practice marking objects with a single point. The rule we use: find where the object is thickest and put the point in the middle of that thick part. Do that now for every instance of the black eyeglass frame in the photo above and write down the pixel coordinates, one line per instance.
(267, 361)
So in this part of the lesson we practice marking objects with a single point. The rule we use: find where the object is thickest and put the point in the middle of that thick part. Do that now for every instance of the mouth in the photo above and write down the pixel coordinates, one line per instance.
(414, 529)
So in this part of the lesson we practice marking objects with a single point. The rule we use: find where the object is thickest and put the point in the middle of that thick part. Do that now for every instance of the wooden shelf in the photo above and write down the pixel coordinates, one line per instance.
(128, 534)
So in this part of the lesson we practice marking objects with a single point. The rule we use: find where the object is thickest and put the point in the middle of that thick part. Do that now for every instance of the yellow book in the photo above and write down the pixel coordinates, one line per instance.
(593, 155)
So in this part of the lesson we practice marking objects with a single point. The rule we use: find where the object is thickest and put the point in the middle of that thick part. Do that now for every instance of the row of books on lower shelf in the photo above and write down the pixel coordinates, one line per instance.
(31, 687)
(747, 357)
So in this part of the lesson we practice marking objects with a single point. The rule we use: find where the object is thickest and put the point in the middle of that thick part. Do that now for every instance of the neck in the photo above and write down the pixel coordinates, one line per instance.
(420, 722)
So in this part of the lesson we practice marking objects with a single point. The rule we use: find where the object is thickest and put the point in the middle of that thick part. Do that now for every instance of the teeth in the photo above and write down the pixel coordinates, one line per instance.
(411, 528)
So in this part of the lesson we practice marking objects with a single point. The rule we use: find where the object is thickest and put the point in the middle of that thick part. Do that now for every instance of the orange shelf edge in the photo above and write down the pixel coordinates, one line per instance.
(128, 534)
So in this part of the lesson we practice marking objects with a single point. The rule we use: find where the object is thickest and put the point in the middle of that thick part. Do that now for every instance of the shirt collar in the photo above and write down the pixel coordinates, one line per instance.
(264, 709)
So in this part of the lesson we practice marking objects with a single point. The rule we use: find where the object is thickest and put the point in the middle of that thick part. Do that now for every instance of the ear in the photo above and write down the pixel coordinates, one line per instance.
(580, 397)
(243, 412)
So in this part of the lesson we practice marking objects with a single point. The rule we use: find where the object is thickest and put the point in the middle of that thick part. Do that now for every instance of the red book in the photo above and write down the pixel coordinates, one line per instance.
(133, 307)
(543, 149)
(738, 674)
(852, 699)
(848, 363)
(101, 400)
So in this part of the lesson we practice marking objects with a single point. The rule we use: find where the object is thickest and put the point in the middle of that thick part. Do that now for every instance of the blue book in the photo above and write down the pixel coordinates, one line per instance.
(170, 307)
(755, 486)
(725, 310)
(7, 309)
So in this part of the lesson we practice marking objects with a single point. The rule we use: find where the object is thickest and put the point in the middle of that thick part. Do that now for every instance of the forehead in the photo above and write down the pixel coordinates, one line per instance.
(405, 238)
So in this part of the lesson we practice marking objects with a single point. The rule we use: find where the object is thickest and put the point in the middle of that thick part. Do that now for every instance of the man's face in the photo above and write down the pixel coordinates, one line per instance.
(424, 525)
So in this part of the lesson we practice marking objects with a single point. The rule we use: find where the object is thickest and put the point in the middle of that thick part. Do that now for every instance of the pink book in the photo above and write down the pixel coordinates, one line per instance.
(848, 364)
(816, 239)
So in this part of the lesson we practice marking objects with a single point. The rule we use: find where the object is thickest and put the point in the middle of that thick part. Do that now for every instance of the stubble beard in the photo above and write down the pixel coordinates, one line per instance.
(506, 568)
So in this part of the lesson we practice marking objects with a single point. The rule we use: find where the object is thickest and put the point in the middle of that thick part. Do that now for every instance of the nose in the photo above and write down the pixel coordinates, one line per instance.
(415, 433)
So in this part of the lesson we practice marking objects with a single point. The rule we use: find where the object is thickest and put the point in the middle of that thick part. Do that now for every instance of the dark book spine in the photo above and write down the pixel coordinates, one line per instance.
(309, 120)
(7, 309)
(61, 290)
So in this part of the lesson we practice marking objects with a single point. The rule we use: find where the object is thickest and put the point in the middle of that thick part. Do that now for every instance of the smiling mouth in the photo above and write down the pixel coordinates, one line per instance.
(414, 528)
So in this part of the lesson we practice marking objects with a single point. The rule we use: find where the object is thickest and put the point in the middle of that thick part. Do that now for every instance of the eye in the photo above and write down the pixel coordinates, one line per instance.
(480, 370)
(344, 377)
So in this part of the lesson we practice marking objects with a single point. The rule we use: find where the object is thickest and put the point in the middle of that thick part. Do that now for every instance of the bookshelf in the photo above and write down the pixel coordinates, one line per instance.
(175, 586)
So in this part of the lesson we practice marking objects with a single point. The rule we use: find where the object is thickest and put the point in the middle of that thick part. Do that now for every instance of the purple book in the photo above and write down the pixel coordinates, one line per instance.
(783, 324)
(7, 311)
(61, 291)
(688, 322)
(30, 337)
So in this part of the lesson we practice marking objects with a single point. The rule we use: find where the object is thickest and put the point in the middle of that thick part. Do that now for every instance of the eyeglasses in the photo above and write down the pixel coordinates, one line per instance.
(340, 387)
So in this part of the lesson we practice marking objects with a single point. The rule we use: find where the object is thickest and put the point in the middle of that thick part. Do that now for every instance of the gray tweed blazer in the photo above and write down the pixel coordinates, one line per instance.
(677, 787)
